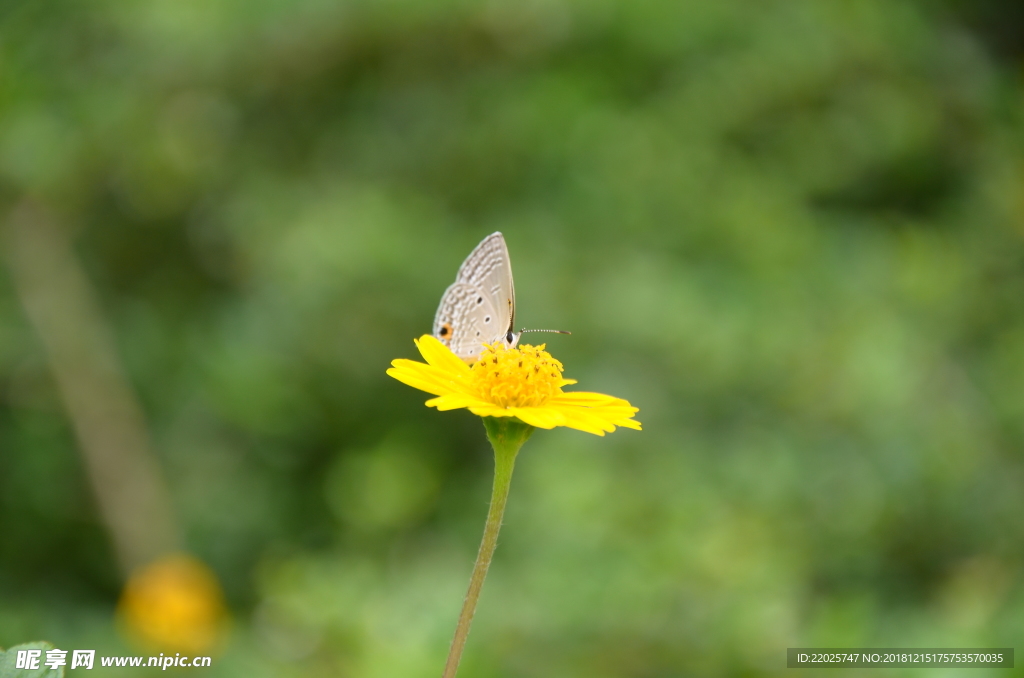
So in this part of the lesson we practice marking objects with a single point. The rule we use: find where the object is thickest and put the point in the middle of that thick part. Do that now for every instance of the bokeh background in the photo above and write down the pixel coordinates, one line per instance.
(791, 232)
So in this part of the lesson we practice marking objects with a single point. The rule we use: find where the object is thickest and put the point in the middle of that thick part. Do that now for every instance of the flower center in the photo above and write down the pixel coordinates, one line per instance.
(517, 377)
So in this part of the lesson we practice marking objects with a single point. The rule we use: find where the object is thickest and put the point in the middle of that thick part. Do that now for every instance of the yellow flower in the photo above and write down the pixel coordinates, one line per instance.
(524, 382)
(174, 603)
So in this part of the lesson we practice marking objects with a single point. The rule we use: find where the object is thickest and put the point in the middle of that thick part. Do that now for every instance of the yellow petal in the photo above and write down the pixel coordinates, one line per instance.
(587, 420)
(587, 399)
(454, 401)
(423, 377)
(616, 415)
(440, 356)
(416, 380)
(488, 410)
(541, 417)
(629, 423)
(581, 425)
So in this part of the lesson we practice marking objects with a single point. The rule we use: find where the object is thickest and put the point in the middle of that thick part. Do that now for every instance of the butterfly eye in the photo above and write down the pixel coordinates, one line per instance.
(509, 337)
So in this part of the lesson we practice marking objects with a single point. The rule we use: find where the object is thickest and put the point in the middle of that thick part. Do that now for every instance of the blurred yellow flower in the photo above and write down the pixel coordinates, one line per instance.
(174, 604)
(524, 382)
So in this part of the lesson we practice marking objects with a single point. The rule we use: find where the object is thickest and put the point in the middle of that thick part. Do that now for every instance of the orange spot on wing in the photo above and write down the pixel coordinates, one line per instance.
(445, 333)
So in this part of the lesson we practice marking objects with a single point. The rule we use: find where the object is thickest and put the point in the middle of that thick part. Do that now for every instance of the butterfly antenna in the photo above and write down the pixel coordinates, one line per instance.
(551, 331)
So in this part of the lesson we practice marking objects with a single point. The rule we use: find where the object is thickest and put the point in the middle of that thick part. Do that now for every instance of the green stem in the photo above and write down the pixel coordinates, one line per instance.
(507, 435)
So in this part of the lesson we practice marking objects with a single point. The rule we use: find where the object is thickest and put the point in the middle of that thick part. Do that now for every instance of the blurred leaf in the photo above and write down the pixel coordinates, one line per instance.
(9, 659)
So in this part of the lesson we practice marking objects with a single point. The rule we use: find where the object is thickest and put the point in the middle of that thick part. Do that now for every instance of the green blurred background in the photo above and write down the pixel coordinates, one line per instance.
(790, 232)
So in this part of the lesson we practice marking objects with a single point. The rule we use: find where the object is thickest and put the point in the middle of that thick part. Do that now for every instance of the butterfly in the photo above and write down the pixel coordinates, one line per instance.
(480, 306)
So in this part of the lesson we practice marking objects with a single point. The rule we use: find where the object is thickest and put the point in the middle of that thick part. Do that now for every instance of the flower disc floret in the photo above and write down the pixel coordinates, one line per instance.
(517, 377)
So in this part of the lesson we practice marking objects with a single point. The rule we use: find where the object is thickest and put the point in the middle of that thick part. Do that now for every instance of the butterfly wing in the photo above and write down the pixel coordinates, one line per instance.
(488, 267)
(466, 320)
